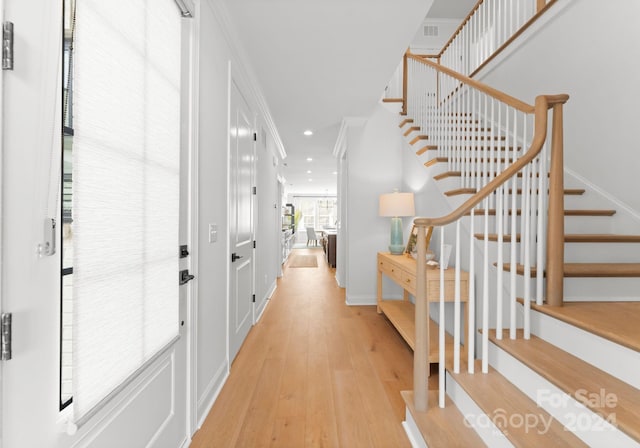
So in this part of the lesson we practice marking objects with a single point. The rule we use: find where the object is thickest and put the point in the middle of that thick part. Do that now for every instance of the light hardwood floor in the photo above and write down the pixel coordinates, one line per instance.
(314, 372)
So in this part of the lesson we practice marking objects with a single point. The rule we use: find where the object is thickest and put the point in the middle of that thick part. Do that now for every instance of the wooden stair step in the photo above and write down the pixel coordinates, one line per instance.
(405, 121)
(434, 161)
(601, 270)
(492, 212)
(567, 191)
(392, 100)
(442, 427)
(411, 129)
(459, 191)
(615, 321)
(497, 397)
(574, 238)
(425, 149)
(578, 379)
(418, 138)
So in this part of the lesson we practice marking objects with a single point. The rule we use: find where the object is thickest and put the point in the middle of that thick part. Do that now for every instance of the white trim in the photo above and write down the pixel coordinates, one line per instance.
(212, 391)
(246, 70)
(347, 122)
(266, 300)
(591, 428)
(226, 250)
(614, 359)
(194, 216)
(360, 299)
(608, 196)
(488, 431)
(412, 431)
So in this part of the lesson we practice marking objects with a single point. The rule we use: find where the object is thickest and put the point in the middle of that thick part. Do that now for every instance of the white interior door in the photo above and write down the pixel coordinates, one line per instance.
(150, 409)
(241, 281)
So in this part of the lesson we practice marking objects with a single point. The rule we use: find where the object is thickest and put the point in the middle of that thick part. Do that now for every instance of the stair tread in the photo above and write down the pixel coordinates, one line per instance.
(405, 121)
(579, 379)
(411, 129)
(392, 100)
(589, 269)
(575, 238)
(615, 321)
(442, 427)
(459, 191)
(425, 149)
(418, 138)
(499, 398)
(573, 212)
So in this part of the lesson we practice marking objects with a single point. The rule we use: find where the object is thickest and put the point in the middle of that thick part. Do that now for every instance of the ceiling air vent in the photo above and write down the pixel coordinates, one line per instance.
(430, 30)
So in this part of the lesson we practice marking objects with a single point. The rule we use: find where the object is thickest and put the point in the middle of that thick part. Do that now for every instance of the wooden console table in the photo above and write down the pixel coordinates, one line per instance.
(402, 270)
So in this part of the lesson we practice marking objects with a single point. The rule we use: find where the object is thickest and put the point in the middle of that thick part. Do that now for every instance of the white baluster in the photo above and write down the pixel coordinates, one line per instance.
(456, 306)
(471, 340)
(441, 332)
(500, 230)
(485, 292)
(542, 220)
(513, 247)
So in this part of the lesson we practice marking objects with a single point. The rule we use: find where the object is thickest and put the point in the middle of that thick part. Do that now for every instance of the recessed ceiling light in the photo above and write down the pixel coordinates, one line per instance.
(308, 171)
(308, 132)
(335, 172)
(309, 159)
(310, 180)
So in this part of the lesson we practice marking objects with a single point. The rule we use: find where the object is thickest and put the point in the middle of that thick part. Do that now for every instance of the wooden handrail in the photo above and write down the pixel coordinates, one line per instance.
(543, 103)
(494, 93)
(462, 24)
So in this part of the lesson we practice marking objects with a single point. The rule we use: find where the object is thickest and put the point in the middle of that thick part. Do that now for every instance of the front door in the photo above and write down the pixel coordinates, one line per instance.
(149, 410)
(242, 156)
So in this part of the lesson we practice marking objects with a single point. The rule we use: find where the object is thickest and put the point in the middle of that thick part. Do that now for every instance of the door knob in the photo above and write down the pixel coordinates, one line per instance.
(235, 257)
(185, 277)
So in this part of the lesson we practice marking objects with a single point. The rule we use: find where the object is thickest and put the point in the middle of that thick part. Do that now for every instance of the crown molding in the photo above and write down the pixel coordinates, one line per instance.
(245, 69)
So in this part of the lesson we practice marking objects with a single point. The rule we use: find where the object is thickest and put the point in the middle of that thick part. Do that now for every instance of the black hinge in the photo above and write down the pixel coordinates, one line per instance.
(255, 137)
(5, 326)
(253, 299)
(7, 46)
(254, 244)
(255, 190)
(184, 251)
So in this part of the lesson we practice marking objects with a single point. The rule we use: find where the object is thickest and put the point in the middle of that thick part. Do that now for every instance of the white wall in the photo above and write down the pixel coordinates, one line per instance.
(374, 159)
(220, 58)
(589, 51)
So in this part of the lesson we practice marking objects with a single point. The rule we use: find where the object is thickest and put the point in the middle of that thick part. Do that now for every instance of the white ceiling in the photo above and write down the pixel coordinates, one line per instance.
(318, 61)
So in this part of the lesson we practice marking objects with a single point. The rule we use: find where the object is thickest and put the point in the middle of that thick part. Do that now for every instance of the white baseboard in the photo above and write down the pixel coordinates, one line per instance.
(265, 301)
(582, 422)
(208, 398)
(359, 300)
(413, 432)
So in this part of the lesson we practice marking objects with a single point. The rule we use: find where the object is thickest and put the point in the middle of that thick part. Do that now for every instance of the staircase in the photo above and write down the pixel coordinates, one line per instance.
(564, 375)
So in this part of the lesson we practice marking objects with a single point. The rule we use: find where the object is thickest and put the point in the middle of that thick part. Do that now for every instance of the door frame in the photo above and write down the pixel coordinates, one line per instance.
(232, 79)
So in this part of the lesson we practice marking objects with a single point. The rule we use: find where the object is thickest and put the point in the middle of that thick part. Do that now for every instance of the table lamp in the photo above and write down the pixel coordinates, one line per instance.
(396, 205)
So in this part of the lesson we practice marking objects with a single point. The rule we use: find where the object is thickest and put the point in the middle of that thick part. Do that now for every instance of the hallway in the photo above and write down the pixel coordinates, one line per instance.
(313, 373)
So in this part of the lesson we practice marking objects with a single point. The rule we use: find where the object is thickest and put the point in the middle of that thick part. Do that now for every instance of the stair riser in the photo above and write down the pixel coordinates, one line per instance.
(616, 360)
(413, 432)
(602, 252)
(476, 418)
(587, 289)
(585, 424)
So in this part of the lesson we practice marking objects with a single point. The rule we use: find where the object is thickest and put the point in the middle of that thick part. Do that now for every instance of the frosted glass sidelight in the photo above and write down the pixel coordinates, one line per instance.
(126, 190)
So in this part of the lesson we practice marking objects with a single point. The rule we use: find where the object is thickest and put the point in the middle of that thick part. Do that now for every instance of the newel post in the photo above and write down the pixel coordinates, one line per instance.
(421, 351)
(555, 228)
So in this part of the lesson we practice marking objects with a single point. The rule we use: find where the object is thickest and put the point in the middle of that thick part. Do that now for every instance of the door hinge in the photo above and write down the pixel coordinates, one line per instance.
(255, 137)
(255, 190)
(184, 251)
(254, 244)
(5, 324)
(7, 46)
(253, 298)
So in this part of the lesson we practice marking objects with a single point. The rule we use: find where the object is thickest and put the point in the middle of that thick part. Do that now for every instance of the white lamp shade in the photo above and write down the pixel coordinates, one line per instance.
(397, 204)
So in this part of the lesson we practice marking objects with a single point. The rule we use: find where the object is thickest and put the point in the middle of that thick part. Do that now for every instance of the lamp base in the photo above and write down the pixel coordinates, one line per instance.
(396, 243)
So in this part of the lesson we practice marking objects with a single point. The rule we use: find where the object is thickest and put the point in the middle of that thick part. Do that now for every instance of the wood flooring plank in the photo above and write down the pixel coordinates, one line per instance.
(353, 428)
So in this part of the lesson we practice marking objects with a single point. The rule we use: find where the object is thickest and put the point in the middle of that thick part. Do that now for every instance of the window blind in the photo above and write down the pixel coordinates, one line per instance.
(126, 190)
